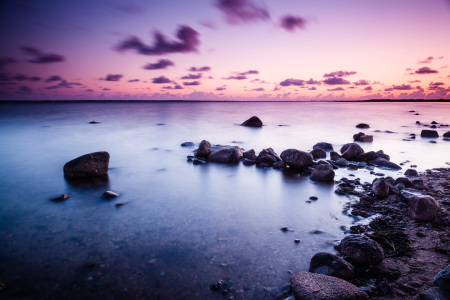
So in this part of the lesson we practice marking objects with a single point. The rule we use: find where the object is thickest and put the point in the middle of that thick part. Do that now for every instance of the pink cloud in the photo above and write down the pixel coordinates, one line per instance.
(290, 23)
(161, 64)
(239, 11)
(426, 70)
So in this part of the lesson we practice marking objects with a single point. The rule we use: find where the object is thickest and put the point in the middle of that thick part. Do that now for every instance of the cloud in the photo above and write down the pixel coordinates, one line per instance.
(426, 70)
(436, 86)
(192, 76)
(291, 81)
(188, 43)
(5, 61)
(336, 81)
(129, 8)
(24, 90)
(40, 57)
(221, 88)
(340, 74)
(249, 72)
(242, 11)
(312, 81)
(53, 78)
(176, 87)
(200, 69)
(290, 23)
(192, 83)
(89, 90)
(239, 77)
(313, 88)
(62, 84)
(34, 78)
(113, 77)
(336, 89)
(362, 82)
(258, 90)
(106, 89)
(402, 87)
(161, 64)
(427, 60)
(414, 81)
(161, 79)
(368, 88)
(133, 80)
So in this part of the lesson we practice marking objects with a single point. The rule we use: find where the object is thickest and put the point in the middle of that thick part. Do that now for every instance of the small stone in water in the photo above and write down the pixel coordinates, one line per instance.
(119, 204)
(297, 241)
(314, 198)
(285, 228)
(61, 198)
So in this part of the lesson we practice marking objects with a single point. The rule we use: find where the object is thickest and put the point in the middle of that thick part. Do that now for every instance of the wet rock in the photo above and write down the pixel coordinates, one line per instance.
(225, 154)
(110, 195)
(88, 166)
(403, 180)
(296, 159)
(366, 139)
(253, 122)
(199, 162)
(418, 122)
(203, 149)
(250, 154)
(361, 250)
(429, 133)
(306, 285)
(318, 153)
(434, 293)
(341, 162)
(419, 184)
(334, 155)
(442, 279)
(94, 122)
(323, 172)
(368, 156)
(363, 125)
(423, 208)
(61, 198)
(381, 154)
(411, 173)
(279, 165)
(314, 198)
(358, 135)
(324, 146)
(447, 134)
(267, 156)
(187, 144)
(248, 162)
(380, 188)
(384, 163)
(408, 193)
(331, 265)
(351, 150)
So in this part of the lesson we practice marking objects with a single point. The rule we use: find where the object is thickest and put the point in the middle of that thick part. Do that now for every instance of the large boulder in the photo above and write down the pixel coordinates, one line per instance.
(318, 153)
(384, 163)
(323, 172)
(87, 166)
(442, 279)
(267, 156)
(361, 250)
(323, 146)
(429, 133)
(380, 188)
(329, 264)
(423, 208)
(225, 154)
(203, 149)
(253, 122)
(306, 285)
(296, 159)
(351, 150)
(334, 155)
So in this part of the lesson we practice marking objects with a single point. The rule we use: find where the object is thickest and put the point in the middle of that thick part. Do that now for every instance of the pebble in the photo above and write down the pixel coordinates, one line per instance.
(61, 198)
(314, 198)
(297, 241)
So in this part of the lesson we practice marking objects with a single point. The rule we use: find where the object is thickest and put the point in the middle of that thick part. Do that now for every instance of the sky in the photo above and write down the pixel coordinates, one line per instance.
(263, 50)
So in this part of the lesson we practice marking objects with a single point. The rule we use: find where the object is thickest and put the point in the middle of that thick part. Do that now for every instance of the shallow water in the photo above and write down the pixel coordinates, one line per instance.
(183, 227)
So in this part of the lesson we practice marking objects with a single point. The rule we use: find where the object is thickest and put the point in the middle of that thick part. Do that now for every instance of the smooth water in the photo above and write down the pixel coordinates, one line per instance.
(183, 227)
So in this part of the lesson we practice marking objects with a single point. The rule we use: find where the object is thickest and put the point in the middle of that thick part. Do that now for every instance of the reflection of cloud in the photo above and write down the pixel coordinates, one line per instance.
(290, 23)
(340, 74)
(427, 60)
(238, 11)
(426, 70)
(336, 81)
(161, 79)
(40, 57)
(188, 43)
(161, 64)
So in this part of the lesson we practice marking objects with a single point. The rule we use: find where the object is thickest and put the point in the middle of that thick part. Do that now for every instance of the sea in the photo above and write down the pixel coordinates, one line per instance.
(184, 231)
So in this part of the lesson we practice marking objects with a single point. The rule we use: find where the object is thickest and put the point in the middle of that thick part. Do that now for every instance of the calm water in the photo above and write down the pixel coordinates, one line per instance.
(184, 227)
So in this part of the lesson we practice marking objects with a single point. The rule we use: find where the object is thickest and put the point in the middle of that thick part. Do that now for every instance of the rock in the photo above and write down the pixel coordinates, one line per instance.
(87, 166)
(358, 135)
(225, 154)
(351, 150)
(363, 125)
(405, 181)
(248, 162)
(323, 146)
(253, 122)
(361, 250)
(296, 159)
(419, 184)
(199, 162)
(250, 154)
(94, 122)
(63, 197)
(203, 149)
(110, 195)
(418, 122)
(447, 134)
(433, 126)
(434, 293)
(341, 162)
(368, 156)
(380, 188)
(442, 279)
(267, 156)
(381, 154)
(423, 208)
(434, 122)
(334, 155)
(187, 144)
(411, 173)
(408, 193)
(331, 265)
(384, 163)
(323, 172)
(366, 139)
(429, 133)
(279, 165)
(318, 153)
(306, 285)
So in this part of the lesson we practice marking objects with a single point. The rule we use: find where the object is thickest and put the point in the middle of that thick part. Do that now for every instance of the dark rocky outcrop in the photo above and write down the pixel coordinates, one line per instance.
(334, 155)
(87, 166)
(323, 146)
(351, 150)
(447, 134)
(318, 153)
(253, 122)
(296, 159)
(203, 149)
(267, 156)
(306, 285)
(363, 126)
(225, 154)
(442, 279)
(429, 133)
(368, 156)
(279, 165)
(361, 250)
(250, 154)
(329, 264)
(434, 293)
(423, 208)
(323, 172)
(384, 163)
(411, 173)
(380, 188)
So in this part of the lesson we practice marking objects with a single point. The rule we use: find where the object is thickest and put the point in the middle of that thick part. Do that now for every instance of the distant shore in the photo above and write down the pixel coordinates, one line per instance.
(229, 101)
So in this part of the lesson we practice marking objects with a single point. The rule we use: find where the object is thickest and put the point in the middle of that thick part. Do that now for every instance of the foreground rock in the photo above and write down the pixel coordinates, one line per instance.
(203, 149)
(318, 153)
(331, 265)
(447, 134)
(361, 250)
(61, 198)
(423, 208)
(323, 172)
(411, 173)
(87, 166)
(351, 150)
(253, 122)
(380, 188)
(429, 133)
(267, 157)
(307, 285)
(443, 279)
(225, 154)
(296, 159)
(323, 146)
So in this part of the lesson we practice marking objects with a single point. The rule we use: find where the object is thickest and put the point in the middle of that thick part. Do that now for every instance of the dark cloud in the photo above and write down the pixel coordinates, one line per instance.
(89, 90)
(313, 88)
(336, 81)
(161, 79)
(133, 80)
(201, 69)
(362, 82)
(368, 88)
(290, 23)
(249, 72)
(239, 77)
(192, 76)
(188, 43)
(113, 77)
(24, 90)
(18, 77)
(312, 81)
(192, 83)
(336, 89)
(5, 61)
(176, 87)
(427, 60)
(340, 74)
(106, 89)
(40, 57)
(414, 81)
(62, 84)
(129, 8)
(388, 89)
(291, 81)
(436, 86)
(402, 87)
(161, 64)
(239, 11)
(53, 78)
(426, 70)
(258, 90)
(221, 88)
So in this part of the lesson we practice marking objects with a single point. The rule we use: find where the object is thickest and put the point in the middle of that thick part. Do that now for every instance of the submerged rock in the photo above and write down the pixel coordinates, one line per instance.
(63, 197)
(87, 166)
(363, 125)
(296, 159)
(225, 154)
(331, 265)
(323, 172)
(187, 144)
(429, 133)
(253, 122)
(423, 208)
(361, 250)
(382, 162)
(203, 149)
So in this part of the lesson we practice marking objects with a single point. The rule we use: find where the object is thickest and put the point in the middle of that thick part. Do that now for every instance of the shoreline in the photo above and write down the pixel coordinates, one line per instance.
(229, 101)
